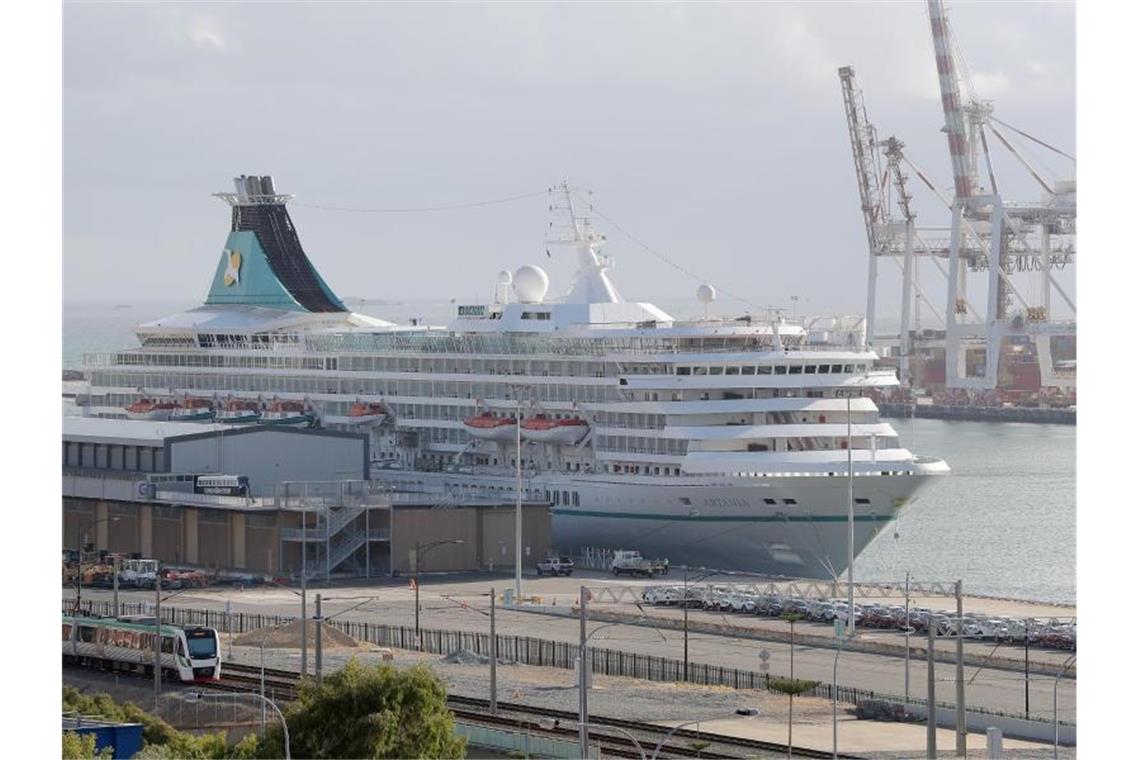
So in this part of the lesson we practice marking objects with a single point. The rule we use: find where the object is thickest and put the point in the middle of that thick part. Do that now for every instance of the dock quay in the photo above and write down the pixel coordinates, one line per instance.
(980, 413)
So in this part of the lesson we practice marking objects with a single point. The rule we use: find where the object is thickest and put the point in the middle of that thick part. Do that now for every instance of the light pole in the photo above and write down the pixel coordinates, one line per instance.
(835, 699)
(685, 608)
(419, 551)
(518, 498)
(847, 393)
(745, 711)
(1056, 723)
(80, 532)
(196, 696)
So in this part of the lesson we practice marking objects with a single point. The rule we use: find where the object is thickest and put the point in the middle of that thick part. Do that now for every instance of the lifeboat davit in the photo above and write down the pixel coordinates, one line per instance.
(239, 411)
(364, 412)
(491, 428)
(288, 414)
(194, 410)
(546, 429)
(151, 409)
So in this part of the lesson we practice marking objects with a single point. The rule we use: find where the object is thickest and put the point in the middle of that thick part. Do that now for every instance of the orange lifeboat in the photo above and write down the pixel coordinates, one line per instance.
(363, 412)
(151, 409)
(547, 429)
(490, 428)
(239, 411)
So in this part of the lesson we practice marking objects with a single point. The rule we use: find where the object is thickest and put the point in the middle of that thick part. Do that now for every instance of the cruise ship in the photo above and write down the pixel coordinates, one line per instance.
(714, 442)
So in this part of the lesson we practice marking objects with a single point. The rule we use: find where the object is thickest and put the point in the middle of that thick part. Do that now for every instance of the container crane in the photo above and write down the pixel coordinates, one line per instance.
(1009, 237)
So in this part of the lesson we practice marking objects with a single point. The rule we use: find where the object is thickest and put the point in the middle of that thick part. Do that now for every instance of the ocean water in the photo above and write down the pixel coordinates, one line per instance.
(1004, 521)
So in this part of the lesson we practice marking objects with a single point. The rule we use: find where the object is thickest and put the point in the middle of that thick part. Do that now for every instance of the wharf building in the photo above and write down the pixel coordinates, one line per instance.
(305, 497)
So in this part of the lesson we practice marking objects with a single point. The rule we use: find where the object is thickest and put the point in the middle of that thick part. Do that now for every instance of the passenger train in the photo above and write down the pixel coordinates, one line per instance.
(188, 654)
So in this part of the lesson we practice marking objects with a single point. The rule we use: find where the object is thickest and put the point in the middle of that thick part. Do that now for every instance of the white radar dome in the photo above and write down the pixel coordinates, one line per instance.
(504, 277)
(706, 293)
(531, 284)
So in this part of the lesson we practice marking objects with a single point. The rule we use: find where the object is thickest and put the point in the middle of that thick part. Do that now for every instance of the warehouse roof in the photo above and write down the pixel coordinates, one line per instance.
(133, 432)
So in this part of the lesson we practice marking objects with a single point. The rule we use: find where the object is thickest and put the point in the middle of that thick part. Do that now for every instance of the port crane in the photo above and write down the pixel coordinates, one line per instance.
(1022, 238)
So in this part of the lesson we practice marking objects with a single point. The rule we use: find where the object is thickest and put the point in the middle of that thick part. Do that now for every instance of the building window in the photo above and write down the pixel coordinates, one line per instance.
(789, 501)
(769, 501)
(576, 503)
(862, 501)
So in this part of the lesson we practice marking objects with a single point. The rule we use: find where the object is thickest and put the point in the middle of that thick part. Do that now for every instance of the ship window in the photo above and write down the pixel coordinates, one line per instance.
(749, 370)
(789, 501)
(848, 367)
(716, 370)
(575, 498)
(809, 369)
(836, 368)
(824, 369)
(862, 501)
(565, 497)
(769, 501)
(732, 370)
(764, 370)
(781, 370)
(795, 369)
(683, 370)
(700, 370)
(544, 315)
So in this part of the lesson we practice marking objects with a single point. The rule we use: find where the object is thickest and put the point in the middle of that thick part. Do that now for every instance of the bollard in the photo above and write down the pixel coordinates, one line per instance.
(993, 743)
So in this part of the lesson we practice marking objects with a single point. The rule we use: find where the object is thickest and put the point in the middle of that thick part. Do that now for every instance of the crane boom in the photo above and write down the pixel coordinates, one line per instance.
(951, 102)
(864, 150)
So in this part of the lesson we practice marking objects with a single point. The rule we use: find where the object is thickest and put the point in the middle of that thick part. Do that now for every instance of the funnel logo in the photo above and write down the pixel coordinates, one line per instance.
(233, 269)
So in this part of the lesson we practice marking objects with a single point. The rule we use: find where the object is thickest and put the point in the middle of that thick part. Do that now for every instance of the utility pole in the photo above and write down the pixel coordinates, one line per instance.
(685, 607)
(583, 703)
(850, 529)
(157, 636)
(115, 582)
(931, 724)
(304, 601)
(960, 682)
(906, 675)
(494, 660)
(318, 651)
(518, 498)
(1027, 668)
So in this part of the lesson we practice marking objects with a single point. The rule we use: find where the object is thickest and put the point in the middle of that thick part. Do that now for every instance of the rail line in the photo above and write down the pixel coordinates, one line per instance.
(243, 677)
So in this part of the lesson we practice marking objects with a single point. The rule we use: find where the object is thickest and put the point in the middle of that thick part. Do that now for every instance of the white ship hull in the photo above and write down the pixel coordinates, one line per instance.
(726, 526)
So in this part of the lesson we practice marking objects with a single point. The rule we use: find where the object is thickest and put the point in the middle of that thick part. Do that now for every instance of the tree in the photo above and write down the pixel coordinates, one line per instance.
(370, 711)
(160, 739)
(78, 746)
(793, 687)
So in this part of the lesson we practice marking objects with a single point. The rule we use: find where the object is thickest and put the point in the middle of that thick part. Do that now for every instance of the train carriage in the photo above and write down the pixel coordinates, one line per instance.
(188, 654)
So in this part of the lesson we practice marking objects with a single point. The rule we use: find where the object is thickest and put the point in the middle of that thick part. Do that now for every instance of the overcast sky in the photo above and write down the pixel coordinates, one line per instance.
(714, 133)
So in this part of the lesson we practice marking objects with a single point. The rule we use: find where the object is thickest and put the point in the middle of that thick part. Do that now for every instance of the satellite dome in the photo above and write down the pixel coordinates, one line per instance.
(504, 277)
(706, 293)
(531, 284)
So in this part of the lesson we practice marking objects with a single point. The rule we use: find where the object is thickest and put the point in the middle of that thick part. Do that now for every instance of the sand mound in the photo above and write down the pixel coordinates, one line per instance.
(289, 637)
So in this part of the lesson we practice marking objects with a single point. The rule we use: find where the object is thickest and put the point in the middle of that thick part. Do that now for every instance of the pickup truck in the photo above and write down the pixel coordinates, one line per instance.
(555, 566)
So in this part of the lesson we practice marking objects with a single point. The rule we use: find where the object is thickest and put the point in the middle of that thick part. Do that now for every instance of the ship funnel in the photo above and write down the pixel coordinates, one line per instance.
(267, 186)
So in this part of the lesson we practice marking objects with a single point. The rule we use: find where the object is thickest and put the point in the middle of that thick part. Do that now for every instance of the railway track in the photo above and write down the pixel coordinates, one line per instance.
(518, 716)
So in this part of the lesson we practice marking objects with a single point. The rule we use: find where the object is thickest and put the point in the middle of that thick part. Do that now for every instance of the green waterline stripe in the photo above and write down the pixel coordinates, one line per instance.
(724, 518)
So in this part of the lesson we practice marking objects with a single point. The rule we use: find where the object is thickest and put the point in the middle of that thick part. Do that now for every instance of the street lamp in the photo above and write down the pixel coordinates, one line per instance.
(745, 711)
(419, 551)
(835, 698)
(1056, 723)
(548, 724)
(79, 534)
(195, 696)
(850, 520)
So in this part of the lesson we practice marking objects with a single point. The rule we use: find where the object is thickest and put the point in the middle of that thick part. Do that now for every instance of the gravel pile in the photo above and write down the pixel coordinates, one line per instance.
(289, 637)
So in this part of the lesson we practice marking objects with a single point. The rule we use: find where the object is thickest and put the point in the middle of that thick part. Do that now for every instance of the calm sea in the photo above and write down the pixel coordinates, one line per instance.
(1004, 521)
